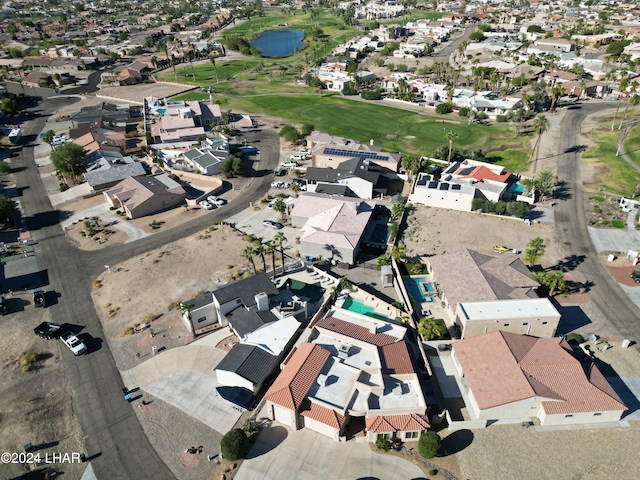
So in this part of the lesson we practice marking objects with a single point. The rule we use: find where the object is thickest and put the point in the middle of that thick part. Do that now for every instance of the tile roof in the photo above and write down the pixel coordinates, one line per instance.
(482, 173)
(293, 383)
(359, 333)
(502, 367)
(392, 423)
(395, 358)
(322, 414)
(470, 276)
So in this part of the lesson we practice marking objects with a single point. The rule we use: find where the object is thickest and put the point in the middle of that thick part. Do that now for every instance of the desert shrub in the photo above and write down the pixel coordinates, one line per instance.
(429, 444)
(97, 283)
(383, 444)
(171, 306)
(234, 445)
(444, 108)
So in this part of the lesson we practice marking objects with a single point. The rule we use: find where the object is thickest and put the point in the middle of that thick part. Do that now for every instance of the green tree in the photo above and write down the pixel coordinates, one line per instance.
(234, 445)
(554, 281)
(5, 168)
(399, 252)
(476, 36)
(271, 249)
(411, 163)
(429, 444)
(396, 209)
(540, 126)
(237, 166)
(517, 209)
(279, 240)
(383, 260)
(289, 133)
(534, 251)
(280, 207)
(260, 250)
(450, 136)
(68, 159)
(529, 184)
(9, 106)
(444, 108)
(48, 137)
(7, 210)
(247, 254)
(556, 93)
(307, 128)
(546, 182)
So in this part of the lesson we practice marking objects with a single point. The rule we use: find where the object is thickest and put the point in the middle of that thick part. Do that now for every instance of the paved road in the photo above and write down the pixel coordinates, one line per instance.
(444, 54)
(571, 222)
(110, 427)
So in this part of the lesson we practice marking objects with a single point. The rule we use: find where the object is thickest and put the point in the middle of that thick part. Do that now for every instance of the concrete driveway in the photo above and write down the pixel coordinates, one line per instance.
(185, 378)
(102, 210)
(281, 453)
(613, 239)
(250, 221)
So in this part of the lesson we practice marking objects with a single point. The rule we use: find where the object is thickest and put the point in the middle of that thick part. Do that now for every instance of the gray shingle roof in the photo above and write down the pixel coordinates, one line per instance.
(245, 321)
(246, 289)
(114, 174)
(250, 362)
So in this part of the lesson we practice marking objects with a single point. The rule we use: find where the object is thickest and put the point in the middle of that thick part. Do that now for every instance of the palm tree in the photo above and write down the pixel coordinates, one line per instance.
(529, 184)
(540, 125)
(271, 249)
(280, 207)
(624, 83)
(279, 240)
(450, 136)
(295, 188)
(399, 252)
(261, 250)
(247, 254)
(556, 93)
(48, 137)
(411, 163)
(154, 62)
(545, 182)
(215, 68)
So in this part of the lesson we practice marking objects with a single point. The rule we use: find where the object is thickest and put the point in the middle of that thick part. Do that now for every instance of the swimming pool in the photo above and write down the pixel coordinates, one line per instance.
(515, 189)
(419, 289)
(162, 111)
(357, 306)
(380, 234)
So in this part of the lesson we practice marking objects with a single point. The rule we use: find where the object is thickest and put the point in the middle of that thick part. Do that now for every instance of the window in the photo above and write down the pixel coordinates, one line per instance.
(383, 435)
(597, 414)
(202, 319)
(568, 416)
(408, 435)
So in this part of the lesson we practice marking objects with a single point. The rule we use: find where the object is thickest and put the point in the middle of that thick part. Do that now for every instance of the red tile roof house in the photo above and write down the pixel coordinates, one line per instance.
(511, 377)
(357, 371)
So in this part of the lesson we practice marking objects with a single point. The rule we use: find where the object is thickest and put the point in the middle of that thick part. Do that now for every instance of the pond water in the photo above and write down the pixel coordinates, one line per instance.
(278, 43)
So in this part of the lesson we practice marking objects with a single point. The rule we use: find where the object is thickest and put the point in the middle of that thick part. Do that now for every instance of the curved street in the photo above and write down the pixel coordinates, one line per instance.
(113, 436)
(571, 223)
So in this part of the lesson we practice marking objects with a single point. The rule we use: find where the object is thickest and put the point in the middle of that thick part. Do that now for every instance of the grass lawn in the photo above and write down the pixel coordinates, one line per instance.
(617, 223)
(512, 160)
(617, 177)
(632, 144)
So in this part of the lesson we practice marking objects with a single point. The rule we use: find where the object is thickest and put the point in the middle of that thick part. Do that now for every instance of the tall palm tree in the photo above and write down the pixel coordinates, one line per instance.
(280, 207)
(271, 249)
(624, 83)
(261, 250)
(450, 136)
(247, 254)
(279, 240)
(215, 68)
(556, 92)
(529, 184)
(540, 126)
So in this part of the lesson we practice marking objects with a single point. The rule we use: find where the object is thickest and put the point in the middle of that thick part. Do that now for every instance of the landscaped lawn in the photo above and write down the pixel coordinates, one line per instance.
(617, 223)
(632, 144)
(617, 177)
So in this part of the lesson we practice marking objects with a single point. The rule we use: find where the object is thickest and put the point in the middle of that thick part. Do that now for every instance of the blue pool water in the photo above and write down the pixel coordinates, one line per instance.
(162, 111)
(380, 234)
(278, 43)
(515, 189)
(357, 306)
(419, 289)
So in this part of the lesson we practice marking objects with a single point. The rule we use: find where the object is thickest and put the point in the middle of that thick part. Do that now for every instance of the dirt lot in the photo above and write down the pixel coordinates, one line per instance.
(29, 400)
(434, 231)
(213, 257)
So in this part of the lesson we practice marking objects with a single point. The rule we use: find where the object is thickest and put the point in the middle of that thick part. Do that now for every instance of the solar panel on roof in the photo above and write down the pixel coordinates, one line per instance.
(353, 153)
(444, 186)
(466, 171)
(422, 181)
(455, 187)
(433, 185)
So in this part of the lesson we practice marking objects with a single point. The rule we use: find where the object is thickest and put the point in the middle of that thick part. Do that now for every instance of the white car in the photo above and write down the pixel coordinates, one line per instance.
(272, 203)
(277, 184)
(206, 205)
(303, 151)
(213, 200)
(289, 164)
(298, 156)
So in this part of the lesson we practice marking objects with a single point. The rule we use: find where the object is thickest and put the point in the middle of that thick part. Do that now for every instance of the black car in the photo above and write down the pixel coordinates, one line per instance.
(635, 275)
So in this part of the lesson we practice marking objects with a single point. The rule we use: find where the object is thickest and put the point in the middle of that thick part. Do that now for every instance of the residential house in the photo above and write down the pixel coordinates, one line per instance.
(182, 121)
(258, 354)
(471, 276)
(353, 370)
(207, 160)
(555, 44)
(511, 377)
(533, 316)
(127, 76)
(329, 150)
(142, 195)
(442, 193)
(332, 226)
(363, 178)
(116, 115)
(37, 79)
(105, 167)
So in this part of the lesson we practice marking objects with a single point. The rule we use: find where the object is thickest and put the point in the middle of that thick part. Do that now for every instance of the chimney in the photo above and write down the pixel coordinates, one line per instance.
(262, 301)
(373, 328)
(371, 142)
(322, 380)
(355, 206)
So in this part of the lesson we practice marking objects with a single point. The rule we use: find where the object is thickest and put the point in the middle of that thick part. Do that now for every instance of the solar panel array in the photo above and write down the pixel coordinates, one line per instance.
(353, 153)
(422, 181)
(433, 185)
(444, 186)
(455, 187)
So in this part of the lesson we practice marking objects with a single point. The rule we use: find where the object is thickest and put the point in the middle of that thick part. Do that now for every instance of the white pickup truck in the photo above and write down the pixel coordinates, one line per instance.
(75, 345)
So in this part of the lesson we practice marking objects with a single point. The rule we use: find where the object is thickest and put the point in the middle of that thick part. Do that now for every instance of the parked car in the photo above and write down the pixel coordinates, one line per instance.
(277, 184)
(289, 164)
(279, 172)
(39, 299)
(635, 275)
(212, 200)
(272, 224)
(74, 343)
(206, 205)
(298, 156)
(303, 151)
(216, 200)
